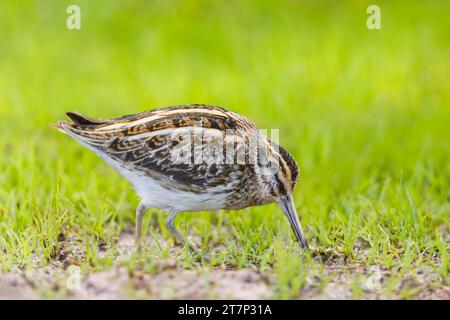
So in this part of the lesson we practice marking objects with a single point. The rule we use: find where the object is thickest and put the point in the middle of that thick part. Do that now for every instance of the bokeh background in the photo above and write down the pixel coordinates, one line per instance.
(365, 113)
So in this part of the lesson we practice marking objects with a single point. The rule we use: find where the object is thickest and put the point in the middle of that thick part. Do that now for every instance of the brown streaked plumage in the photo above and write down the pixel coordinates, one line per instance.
(192, 158)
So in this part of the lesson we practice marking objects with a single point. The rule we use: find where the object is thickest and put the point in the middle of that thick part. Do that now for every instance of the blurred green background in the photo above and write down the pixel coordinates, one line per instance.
(366, 114)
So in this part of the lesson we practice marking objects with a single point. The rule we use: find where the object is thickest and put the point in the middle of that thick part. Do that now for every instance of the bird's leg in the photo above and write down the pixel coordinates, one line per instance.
(140, 212)
(170, 225)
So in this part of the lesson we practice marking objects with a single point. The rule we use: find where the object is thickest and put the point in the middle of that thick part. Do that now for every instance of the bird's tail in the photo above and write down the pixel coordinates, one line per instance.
(82, 129)
(83, 120)
(63, 126)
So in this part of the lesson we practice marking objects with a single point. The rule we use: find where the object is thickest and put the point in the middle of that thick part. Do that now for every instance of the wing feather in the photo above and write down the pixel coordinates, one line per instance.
(147, 142)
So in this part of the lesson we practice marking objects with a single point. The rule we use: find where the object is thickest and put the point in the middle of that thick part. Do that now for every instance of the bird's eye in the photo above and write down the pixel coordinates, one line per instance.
(273, 166)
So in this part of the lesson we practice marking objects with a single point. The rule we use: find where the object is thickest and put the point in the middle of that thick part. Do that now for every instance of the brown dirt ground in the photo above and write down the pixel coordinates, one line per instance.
(173, 282)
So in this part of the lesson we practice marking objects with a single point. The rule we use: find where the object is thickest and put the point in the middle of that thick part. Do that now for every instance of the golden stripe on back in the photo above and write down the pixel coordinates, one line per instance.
(173, 117)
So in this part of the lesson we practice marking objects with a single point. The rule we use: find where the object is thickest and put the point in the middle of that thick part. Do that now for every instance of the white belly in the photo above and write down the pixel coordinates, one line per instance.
(154, 195)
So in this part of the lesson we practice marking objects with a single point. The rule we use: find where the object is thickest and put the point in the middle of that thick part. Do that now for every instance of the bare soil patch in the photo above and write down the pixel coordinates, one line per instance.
(61, 279)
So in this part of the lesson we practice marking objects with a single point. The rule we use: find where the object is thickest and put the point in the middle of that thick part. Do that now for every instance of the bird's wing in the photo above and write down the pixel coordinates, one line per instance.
(175, 144)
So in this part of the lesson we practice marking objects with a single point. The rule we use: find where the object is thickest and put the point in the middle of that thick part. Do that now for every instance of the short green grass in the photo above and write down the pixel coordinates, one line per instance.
(365, 113)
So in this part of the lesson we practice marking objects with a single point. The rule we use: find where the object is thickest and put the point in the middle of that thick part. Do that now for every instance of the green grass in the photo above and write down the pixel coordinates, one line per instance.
(365, 113)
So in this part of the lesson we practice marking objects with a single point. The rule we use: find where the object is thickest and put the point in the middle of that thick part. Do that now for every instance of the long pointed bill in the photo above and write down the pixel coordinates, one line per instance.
(287, 205)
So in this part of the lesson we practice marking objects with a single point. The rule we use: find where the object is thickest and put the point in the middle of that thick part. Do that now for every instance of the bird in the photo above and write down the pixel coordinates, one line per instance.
(195, 157)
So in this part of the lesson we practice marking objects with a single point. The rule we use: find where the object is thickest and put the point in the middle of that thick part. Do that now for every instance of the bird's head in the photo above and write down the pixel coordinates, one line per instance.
(281, 177)
(280, 171)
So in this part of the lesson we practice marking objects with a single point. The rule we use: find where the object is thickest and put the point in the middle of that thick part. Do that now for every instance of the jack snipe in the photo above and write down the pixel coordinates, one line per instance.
(192, 158)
